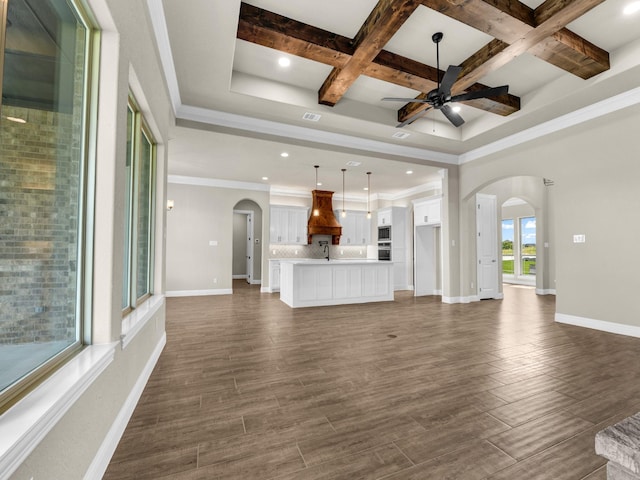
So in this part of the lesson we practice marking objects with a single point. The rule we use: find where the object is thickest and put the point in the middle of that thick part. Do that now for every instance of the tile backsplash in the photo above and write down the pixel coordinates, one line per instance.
(315, 250)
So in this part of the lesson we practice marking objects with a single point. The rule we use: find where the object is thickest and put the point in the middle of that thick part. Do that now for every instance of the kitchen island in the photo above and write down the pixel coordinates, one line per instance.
(311, 283)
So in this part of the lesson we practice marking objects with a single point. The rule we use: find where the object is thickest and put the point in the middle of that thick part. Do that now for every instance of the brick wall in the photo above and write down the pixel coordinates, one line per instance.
(39, 199)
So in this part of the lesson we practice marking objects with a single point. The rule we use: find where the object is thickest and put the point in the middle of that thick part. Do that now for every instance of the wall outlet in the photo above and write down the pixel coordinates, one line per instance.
(213, 243)
(579, 238)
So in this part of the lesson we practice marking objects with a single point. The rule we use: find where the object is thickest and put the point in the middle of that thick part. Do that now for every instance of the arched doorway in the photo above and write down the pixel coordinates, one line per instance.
(529, 201)
(247, 247)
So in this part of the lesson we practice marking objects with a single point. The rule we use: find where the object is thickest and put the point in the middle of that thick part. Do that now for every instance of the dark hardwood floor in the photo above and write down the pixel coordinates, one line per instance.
(248, 388)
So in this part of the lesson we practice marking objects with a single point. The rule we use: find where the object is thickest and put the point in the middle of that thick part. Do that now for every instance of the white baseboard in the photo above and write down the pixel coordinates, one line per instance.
(469, 299)
(199, 293)
(548, 291)
(105, 452)
(256, 282)
(611, 327)
(238, 277)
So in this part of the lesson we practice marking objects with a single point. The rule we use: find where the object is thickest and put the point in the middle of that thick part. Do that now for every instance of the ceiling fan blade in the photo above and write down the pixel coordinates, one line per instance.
(407, 100)
(489, 92)
(449, 78)
(453, 117)
(413, 118)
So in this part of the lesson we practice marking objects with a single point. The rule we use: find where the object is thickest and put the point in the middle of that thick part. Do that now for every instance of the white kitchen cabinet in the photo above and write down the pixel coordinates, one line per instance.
(308, 283)
(274, 275)
(427, 211)
(356, 228)
(397, 219)
(384, 217)
(288, 225)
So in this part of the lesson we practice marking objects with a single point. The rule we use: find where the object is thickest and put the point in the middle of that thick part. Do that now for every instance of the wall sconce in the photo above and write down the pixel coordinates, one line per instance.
(170, 205)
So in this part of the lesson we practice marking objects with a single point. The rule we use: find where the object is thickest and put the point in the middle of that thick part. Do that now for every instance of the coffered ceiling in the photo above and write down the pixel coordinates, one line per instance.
(557, 57)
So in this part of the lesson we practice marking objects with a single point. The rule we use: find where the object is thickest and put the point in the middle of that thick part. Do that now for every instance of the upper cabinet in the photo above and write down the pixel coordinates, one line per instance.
(384, 217)
(356, 228)
(288, 225)
(427, 211)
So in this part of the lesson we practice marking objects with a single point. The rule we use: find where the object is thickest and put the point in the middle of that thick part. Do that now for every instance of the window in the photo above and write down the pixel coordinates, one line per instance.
(140, 193)
(43, 196)
(528, 246)
(519, 257)
(507, 246)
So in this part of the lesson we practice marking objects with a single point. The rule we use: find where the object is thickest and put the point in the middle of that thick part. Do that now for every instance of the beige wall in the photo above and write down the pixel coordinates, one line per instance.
(595, 168)
(127, 51)
(203, 214)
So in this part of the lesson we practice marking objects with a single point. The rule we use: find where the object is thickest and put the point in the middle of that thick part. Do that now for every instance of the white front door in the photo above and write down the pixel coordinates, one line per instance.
(487, 245)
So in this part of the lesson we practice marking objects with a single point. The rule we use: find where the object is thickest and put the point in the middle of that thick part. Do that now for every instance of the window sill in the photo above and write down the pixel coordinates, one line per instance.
(138, 318)
(25, 424)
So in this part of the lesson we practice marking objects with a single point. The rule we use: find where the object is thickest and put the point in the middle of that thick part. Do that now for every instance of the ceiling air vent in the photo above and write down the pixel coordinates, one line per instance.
(353, 163)
(400, 135)
(312, 117)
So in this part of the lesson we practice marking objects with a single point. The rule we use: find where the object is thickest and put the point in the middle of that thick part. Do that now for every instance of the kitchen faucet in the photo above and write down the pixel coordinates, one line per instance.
(326, 248)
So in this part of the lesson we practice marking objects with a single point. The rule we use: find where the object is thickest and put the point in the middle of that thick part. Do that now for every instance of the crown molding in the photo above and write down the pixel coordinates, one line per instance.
(268, 127)
(215, 182)
(159, 24)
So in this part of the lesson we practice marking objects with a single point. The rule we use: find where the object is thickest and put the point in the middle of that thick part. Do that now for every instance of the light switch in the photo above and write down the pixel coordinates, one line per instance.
(579, 239)
(213, 243)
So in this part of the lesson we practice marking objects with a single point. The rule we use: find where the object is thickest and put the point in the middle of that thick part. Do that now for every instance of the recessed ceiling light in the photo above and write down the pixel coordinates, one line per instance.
(456, 109)
(366, 188)
(284, 62)
(409, 172)
(352, 163)
(284, 154)
(265, 178)
(631, 8)
(319, 184)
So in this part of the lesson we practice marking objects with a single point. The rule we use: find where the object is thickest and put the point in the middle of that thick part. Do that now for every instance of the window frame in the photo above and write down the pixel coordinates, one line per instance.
(86, 202)
(140, 130)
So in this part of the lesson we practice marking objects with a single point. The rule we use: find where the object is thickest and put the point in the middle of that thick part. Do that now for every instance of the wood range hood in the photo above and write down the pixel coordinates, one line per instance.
(322, 221)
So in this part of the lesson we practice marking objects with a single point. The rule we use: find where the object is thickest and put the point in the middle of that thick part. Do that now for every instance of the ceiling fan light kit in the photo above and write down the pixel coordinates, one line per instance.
(439, 98)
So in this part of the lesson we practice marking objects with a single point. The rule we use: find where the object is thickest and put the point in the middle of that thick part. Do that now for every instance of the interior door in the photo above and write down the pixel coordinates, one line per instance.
(487, 245)
(425, 260)
(249, 247)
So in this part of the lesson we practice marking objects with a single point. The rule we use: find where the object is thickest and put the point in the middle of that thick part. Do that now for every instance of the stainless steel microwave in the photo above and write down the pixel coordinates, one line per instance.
(384, 233)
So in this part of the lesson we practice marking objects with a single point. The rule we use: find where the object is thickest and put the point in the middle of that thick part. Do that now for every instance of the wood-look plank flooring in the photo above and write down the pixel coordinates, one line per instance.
(248, 388)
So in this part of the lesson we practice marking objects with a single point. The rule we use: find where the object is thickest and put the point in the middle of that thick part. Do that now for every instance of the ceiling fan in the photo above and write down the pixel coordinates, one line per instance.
(439, 98)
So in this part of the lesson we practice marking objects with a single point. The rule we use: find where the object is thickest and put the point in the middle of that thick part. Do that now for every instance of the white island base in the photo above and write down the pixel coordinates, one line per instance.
(312, 283)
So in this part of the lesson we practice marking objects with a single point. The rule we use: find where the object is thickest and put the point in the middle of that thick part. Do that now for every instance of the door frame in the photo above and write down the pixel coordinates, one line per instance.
(249, 242)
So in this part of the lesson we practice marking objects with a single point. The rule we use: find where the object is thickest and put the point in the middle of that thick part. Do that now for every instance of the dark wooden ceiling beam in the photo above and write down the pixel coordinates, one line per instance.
(511, 21)
(553, 16)
(281, 33)
(383, 22)
(271, 30)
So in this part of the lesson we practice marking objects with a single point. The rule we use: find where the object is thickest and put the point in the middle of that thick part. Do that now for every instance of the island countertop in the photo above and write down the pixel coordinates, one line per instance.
(316, 282)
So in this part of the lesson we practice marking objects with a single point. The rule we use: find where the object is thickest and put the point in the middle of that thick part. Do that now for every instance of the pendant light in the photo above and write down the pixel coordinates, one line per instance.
(316, 212)
(368, 194)
(344, 212)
